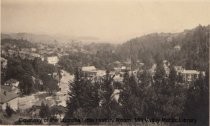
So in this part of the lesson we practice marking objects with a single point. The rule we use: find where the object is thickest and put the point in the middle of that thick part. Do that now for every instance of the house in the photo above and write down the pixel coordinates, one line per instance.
(33, 49)
(13, 85)
(89, 71)
(124, 69)
(12, 82)
(190, 75)
(117, 64)
(52, 60)
(177, 47)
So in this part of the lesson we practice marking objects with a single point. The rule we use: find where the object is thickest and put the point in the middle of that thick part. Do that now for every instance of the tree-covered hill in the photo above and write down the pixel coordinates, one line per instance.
(189, 48)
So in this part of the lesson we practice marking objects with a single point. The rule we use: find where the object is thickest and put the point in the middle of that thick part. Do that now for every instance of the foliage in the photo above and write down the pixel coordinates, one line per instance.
(197, 103)
(193, 53)
(83, 97)
(25, 71)
(44, 111)
(9, 110)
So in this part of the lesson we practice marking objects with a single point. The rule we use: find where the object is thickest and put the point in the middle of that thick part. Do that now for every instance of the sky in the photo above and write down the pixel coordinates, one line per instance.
(108, 20)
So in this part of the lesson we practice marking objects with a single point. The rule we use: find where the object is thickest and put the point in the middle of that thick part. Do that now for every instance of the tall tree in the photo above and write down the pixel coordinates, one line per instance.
(83, 97)
(131, 97)
(75, 89)
(44, 111)
(107, 90)
(197, 103)
(9, 110)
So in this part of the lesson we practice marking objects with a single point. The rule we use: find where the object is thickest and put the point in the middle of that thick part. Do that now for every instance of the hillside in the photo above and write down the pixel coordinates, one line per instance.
(189, 48)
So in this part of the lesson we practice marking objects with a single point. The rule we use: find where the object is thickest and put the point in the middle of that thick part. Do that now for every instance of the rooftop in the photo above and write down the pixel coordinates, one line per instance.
(89, 68)
(190, 72)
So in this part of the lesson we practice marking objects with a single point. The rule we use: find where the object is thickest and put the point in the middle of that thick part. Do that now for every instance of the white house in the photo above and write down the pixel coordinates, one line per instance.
(89, 71)
(12, 82)
(52, 60)
(177, 47)
(190, 75)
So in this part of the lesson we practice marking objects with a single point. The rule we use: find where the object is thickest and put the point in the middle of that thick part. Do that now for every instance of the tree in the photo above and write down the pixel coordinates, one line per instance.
(197, 103)
(83, 97)
(74, 92)
(159, 90)
(44, 111)
(132, 96)
(175, 96)
(9, 110)
(108, 107)
(26, 85)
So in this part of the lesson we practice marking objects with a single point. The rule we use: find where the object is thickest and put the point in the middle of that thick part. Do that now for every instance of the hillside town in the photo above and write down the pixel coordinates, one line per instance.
(89, 62)
(13, 97)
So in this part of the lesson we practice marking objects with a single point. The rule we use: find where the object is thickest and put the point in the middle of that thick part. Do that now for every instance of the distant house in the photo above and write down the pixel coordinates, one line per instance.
(117, 64)
(52, 60)
(177, 47)
(12, 82)
(189, 75)
(124, 68)
(89, 71)
(33, 49)
(28, 55)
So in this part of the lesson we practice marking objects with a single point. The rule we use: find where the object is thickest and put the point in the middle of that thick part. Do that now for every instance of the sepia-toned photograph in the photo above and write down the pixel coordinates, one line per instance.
(105, 62)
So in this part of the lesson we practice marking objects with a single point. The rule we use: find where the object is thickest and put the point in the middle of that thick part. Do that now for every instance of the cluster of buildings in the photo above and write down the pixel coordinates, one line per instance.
(188, 75)
(120, 68)
(49, 54)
